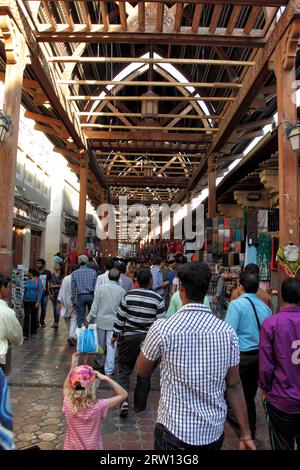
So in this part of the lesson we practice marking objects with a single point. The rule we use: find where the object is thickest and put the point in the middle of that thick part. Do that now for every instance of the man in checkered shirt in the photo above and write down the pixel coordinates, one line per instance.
(199, 357)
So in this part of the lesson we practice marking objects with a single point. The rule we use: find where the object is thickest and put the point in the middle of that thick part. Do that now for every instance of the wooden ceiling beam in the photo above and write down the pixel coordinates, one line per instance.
(133, 181)
(148, 98)
(123, 16)
(49, 15)
(196, 18)
(151, 83)
(67, 13)
(148, 127)
(46, 119)
(159, 18)
(141, 16)
(178, 17)
(148, 136)
(233, 18)
(275, 3)
(50, 131)
(139, 115)
(85, 15)
(104, 15)
(151, 60)
(215, 18)
(255, 12)
(150, 155)
(221, 38)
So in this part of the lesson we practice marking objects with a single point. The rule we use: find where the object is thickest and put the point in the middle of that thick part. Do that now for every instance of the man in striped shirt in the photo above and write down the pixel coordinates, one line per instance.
(137, 312)
(199, 356)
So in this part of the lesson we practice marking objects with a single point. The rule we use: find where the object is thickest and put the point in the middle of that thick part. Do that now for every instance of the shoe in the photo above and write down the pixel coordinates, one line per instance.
(55, 325)
(139, 412)
(124, 410)
(26, 337)
(43, 325)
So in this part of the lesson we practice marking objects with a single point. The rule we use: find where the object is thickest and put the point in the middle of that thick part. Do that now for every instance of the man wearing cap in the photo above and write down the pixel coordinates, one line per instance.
(83, 283)
(10, 328)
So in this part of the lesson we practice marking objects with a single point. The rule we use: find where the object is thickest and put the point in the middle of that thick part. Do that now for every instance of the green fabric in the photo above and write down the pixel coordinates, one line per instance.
(176, 304)
(264, 253)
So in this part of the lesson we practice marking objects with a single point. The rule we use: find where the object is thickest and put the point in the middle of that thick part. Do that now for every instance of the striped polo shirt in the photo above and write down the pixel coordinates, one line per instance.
(137, 312)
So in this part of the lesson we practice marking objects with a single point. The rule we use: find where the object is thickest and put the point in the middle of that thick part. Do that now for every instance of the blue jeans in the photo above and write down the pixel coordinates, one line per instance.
(55, 310)
(164, 440)
(83, 301)
(44, 303)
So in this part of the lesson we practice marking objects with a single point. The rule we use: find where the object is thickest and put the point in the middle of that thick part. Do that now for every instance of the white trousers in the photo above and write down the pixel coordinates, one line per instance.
(71, 324)
(104, 338)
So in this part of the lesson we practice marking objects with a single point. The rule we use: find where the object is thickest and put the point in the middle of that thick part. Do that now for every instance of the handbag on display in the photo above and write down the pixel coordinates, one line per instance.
(87, 339)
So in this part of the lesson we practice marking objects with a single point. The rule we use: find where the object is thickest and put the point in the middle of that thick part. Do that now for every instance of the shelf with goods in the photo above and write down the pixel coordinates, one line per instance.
(18, 285)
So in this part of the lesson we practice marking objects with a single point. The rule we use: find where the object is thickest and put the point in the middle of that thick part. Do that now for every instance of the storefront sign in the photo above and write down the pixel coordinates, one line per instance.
(22, 213)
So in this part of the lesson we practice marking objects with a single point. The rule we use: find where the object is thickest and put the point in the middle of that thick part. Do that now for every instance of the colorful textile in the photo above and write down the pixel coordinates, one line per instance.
(226, 222)
(264, 252)
(237, 234)
(290, 268)
(275, 247)
(82, 375)
(6, 419)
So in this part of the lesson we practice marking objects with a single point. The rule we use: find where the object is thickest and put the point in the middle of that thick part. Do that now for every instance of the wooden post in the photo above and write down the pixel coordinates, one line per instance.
(8, 152)
(212, 205)
(288, 163)
(83, 176)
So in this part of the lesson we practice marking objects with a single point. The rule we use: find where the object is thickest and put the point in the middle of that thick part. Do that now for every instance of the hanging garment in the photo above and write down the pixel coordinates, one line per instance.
(252, 229)
(250, 253)
(264, 252)
(275, 247)
(236, 259)
(262, 221)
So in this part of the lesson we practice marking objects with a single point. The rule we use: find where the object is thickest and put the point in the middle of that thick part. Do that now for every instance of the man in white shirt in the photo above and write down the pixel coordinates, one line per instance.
(103, 278)
(199, 361)
(67, 310)
(10, 328)
(104, 310)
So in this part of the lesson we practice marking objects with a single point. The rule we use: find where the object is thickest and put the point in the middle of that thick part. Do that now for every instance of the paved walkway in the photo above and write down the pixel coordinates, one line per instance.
(39, 368)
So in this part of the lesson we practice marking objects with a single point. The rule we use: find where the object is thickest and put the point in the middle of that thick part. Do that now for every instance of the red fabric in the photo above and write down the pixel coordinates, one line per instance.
(178, 247)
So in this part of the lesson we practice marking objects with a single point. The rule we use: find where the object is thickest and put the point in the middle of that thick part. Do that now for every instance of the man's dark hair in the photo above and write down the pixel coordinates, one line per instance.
(250, 282)
(91, 258)
(4, 280)
(109, 265)
(34, 272)
(180, 258)
(114, 275)
(121, 267)
(252, 268)
(144, 277)
(42, 261)
(195, 278)
(157, 260)
(290, 291)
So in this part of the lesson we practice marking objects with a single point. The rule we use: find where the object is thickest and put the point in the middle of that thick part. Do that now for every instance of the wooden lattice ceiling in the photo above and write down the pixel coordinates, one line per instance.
(220, 102)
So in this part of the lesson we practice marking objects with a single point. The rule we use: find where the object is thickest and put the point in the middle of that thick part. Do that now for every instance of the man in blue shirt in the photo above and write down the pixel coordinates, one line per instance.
(83, 282)
(158, 283)
(245, 315)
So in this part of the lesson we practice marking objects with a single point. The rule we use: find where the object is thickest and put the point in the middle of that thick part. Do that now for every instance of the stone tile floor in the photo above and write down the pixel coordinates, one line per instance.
(39, 368)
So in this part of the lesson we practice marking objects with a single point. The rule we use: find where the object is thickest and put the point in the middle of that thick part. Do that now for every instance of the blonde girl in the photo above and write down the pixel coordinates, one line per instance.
(84, 413)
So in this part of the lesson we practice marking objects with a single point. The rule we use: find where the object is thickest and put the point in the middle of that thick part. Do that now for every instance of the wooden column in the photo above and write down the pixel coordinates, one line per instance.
(16, 62)
(83, 177)
(212, 174)
(284, 66)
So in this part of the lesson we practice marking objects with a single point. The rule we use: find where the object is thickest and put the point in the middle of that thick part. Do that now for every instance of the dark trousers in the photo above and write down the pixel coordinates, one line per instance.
(30, 318)
(129, 349)
(284, 428)
(55, 310)
(83, 301)
(44, 303)
(249, 374)
(164, 440)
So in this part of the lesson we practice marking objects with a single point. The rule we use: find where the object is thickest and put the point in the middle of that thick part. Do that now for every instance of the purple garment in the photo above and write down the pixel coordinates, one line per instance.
(279, 359)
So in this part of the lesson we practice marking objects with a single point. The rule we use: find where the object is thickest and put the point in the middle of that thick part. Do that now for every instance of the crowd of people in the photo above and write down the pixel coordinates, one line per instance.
(154, 313)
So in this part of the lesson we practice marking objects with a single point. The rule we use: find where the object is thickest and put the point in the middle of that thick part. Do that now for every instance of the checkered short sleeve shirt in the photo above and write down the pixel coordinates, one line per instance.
(196, 350)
